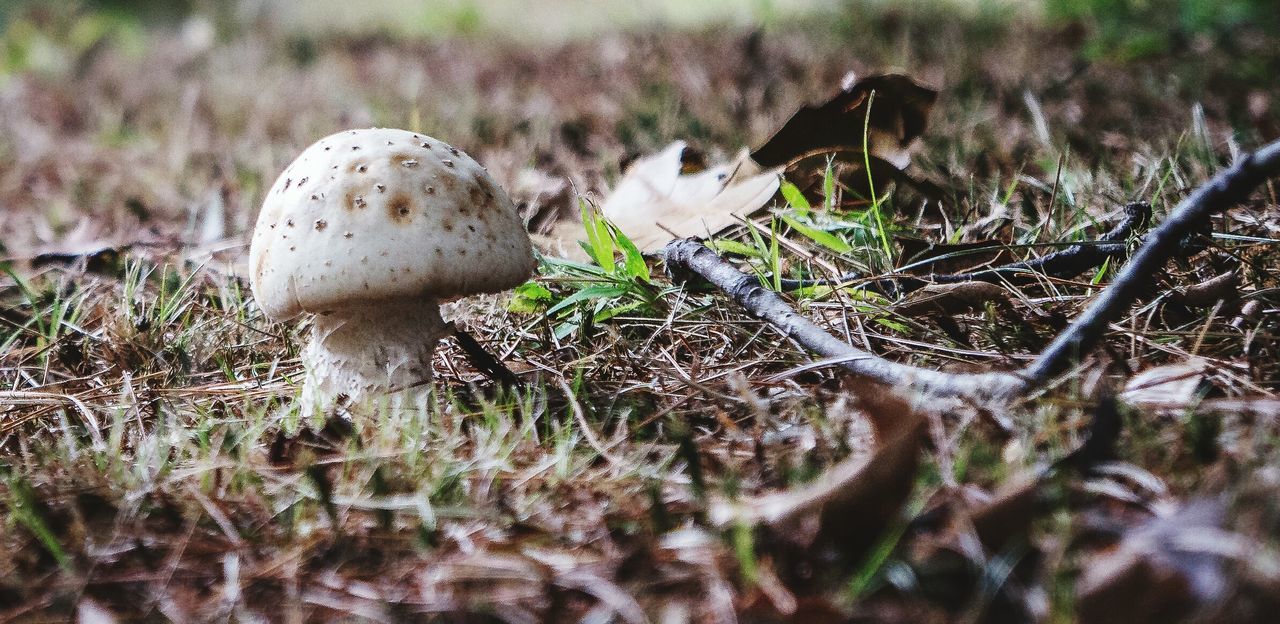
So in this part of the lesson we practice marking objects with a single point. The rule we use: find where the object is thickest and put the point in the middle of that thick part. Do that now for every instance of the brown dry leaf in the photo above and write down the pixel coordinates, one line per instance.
(886, 113)
(655, 203)
(1172, 386)
(847, 508)
(1162, 571)
(1224, 287)
(899, 113)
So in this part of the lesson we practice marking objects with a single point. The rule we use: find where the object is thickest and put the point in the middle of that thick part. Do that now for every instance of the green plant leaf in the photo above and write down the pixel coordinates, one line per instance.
(529, 297)
(733, 247)
(632, 258)
(588, 293)
(826, 239)
(599, 244)
(795, 198)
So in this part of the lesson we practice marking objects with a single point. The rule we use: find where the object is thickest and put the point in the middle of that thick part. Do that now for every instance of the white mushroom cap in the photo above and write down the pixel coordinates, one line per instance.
(364, 216)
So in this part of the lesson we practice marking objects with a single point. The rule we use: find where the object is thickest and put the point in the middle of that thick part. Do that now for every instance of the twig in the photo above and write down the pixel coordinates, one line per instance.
(1227, 188)
(1224, 190)
(484, 361)
(691, 255)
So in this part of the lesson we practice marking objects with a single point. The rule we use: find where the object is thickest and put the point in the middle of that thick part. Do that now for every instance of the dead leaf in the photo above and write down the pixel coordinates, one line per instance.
(850, 505)
(1224, 287)
(655, 203)
(1159, 572)
(899, 113)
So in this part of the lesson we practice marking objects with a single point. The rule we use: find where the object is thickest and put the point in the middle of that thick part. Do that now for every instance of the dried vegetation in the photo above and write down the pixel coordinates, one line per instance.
(153, 468)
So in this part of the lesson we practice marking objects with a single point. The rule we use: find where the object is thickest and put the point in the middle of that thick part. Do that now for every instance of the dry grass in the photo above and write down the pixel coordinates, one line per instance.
(153, 467)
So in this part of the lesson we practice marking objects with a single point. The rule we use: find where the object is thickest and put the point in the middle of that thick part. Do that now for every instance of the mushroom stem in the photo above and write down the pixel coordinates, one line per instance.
(365, 353)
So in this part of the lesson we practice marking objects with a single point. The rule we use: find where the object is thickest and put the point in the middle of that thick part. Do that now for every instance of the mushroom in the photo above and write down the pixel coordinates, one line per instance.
(370, 230)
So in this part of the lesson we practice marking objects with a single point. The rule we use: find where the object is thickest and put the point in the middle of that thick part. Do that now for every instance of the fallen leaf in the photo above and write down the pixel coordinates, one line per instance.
(846, 510)
(966, 528)
(899, 113)
(1162, 571)
(655, 202)
(1224, 287)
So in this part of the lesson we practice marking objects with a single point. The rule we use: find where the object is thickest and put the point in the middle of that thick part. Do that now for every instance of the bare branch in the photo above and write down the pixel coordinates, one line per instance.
(691, 255)
(687, 256)
(1225, 189)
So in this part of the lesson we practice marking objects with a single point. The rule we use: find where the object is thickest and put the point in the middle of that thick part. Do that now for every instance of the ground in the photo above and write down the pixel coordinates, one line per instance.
(155, 466)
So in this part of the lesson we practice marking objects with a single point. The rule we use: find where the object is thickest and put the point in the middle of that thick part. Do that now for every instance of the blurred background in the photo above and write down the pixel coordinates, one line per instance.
(123, 118)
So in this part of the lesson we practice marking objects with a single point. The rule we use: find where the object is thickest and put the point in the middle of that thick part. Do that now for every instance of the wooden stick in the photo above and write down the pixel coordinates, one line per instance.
(687, 256)
(1226, 189)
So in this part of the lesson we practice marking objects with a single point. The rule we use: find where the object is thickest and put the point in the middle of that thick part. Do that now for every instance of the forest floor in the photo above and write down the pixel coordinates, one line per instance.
(154, 468)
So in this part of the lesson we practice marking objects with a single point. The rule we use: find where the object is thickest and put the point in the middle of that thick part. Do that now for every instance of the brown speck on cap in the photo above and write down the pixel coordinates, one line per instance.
(288, 222)
(287, 182)
(446, 162)
(303, 181)
(382, 188)
(400, 208)
(321, 224)
(347, 235)
(426, 145)
(453, 150)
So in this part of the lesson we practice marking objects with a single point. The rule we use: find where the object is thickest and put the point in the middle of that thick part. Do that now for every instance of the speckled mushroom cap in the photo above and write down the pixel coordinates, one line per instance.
(382, 214)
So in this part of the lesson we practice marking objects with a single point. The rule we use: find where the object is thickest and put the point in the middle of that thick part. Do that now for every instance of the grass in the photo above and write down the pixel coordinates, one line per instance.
(153, 464)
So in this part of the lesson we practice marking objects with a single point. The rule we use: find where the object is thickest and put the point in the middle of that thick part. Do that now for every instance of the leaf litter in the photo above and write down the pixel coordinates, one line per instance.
(504, 509)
